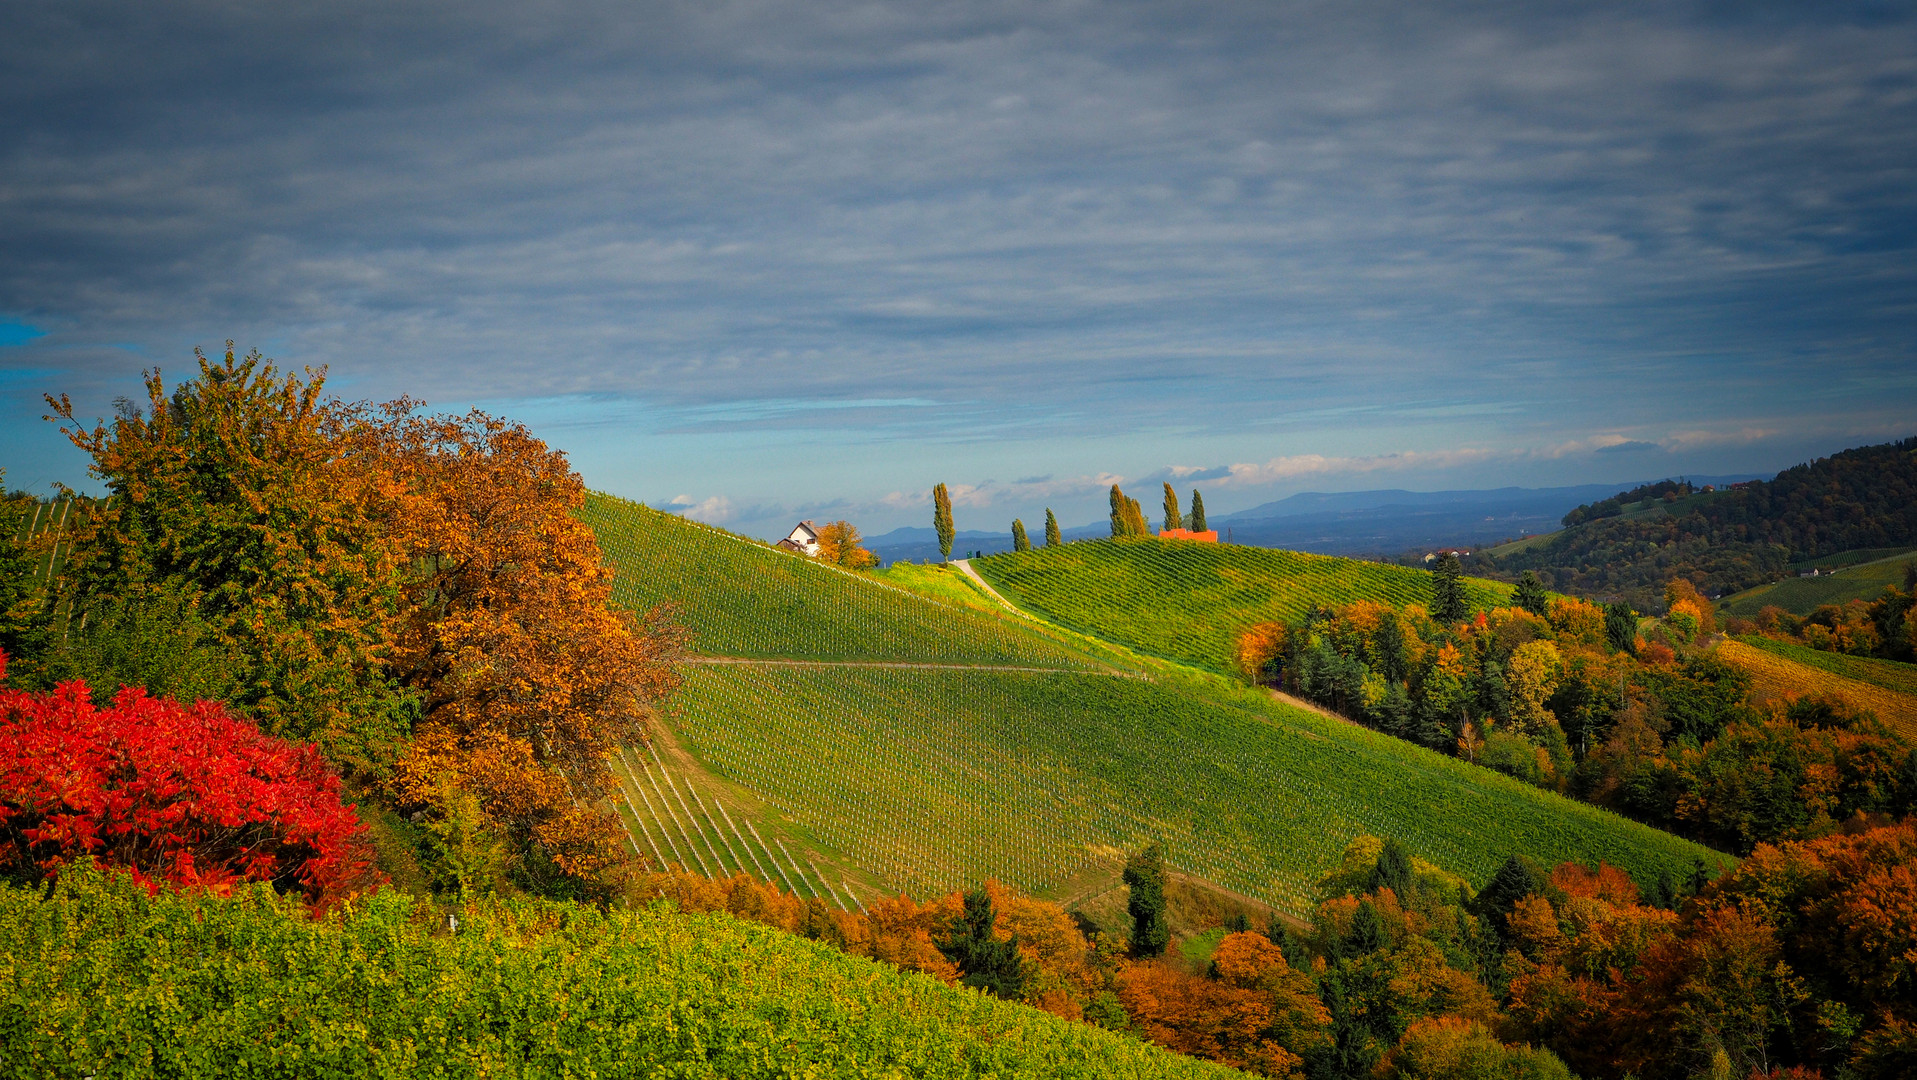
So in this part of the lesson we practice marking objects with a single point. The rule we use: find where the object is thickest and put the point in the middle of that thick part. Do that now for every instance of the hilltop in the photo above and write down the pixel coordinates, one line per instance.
(1187, 601)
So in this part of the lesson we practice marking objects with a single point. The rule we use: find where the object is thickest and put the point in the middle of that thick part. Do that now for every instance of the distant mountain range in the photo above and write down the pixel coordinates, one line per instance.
(1376, 523)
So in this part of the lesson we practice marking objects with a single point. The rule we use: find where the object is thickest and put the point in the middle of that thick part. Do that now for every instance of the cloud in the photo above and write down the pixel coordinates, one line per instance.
(713, 510)
(1297, 466)
(1628, 446)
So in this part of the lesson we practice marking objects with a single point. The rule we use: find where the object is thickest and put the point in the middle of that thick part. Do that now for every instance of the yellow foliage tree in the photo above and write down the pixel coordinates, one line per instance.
(839, 543)
(1533, 675)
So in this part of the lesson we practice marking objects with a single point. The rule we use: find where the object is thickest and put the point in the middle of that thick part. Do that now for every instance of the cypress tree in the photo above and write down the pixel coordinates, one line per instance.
(1052, 539)
(1530, 594)
(1019, 541)
(1620, 625)
(1448, 604)
(942, 520)
(1393, 871)
(985, 962)
(1197, 512)
(1145, 877)
(1173, 519)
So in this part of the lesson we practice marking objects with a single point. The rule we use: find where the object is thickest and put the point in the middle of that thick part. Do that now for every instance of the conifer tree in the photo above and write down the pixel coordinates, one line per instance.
(983, 960)
(1052, 539)
(1019, 541)
(1530, 594)
(1145, 877)
(1173, 519)
(942, 520)
(1197, 512)
(1448, 604)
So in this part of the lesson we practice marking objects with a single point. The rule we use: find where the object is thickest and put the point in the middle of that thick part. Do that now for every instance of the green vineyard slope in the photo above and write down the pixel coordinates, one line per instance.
(935, 779)
(1186, 601)
(104, 980)
(743, 598)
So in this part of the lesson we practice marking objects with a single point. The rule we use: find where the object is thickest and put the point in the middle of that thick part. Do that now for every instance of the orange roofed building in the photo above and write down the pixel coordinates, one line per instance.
(1209, 536)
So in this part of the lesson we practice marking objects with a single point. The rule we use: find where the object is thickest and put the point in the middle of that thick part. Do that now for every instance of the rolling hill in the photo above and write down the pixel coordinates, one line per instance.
(918, 745)
(1186, 601)
(1802, 595)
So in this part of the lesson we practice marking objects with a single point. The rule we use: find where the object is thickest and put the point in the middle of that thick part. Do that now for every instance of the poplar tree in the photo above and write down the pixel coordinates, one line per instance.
(1197, 511)
(1135, 519)
(1019, 541)
(1145, 877)
(1173, 519)
(1448, 604)
(1052, 539)
(942, 520)
(1121, 513)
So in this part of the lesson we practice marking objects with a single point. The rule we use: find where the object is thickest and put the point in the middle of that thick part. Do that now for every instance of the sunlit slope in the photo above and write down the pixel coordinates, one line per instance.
(1885, 687)
(743, 598)
(932, 780)
(1186, 601)
(117, 982)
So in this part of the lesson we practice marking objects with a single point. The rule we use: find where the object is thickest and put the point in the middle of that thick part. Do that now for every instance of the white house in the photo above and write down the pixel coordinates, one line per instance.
(804, 539)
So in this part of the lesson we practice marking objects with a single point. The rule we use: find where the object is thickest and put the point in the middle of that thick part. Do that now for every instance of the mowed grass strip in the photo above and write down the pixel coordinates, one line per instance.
(1781, 670)
(935, 780)
(1187, 601)
(744, 598)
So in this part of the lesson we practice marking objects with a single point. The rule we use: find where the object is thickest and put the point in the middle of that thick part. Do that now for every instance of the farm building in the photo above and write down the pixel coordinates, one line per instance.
(1209, 536)
(804, 539)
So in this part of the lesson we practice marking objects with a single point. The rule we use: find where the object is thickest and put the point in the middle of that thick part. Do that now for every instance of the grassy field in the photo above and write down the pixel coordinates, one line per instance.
(104, 981)
(932, 780)
(1801, 596)
(743, 598)
(1782, 671)
(1187, 601)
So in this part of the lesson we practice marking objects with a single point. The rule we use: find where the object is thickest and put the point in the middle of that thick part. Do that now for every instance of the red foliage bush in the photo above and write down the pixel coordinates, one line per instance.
(182, 794)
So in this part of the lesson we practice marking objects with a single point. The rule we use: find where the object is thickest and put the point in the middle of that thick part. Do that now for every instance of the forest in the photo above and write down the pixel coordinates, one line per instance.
(1725, 541)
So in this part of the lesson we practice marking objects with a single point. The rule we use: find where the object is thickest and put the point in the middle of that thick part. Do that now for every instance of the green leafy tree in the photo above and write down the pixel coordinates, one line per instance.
(20, 625)
(1145, 877)
(1135, 518)
(942, 520)
(233, 499)
(1121, 513)
(1530, 594)
(1198, 512)
(1448, 603)
(1052, 538)
(1019, 540)
(1173, 518)
(984, 961)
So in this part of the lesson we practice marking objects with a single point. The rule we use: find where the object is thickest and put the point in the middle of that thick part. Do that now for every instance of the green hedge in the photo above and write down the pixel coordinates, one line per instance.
(97, 979)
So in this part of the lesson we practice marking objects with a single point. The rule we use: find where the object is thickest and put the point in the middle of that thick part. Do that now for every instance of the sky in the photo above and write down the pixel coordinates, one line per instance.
(765, 261)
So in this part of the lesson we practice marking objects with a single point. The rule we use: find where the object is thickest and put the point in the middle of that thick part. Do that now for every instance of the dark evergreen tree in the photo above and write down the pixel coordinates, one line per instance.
(1052, 539)
(942, 520)
(1393, 871)
(982, 959)
(1019, 540)
(1620, 625)
(1663, 892)
(1390, 649)
(1448, 603)
(1173, 519)
(1198, 512)
(1145, 877)
(1518, 878)
(1700, 877)
(1368, 932)
(1530, 594)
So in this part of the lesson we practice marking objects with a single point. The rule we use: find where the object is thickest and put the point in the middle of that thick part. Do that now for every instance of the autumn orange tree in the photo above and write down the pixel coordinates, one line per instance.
(839, 543)
(234, 517)
(528, 677)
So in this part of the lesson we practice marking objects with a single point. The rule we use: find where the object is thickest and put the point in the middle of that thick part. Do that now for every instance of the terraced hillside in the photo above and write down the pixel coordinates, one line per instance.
(960, 744)
(1187, 601)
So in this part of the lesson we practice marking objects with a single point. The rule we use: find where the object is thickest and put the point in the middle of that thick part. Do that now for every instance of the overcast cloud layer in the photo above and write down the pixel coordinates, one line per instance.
(809, 258)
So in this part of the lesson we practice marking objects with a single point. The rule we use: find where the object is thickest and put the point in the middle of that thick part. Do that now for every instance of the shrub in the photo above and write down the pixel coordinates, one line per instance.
(187, 795)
